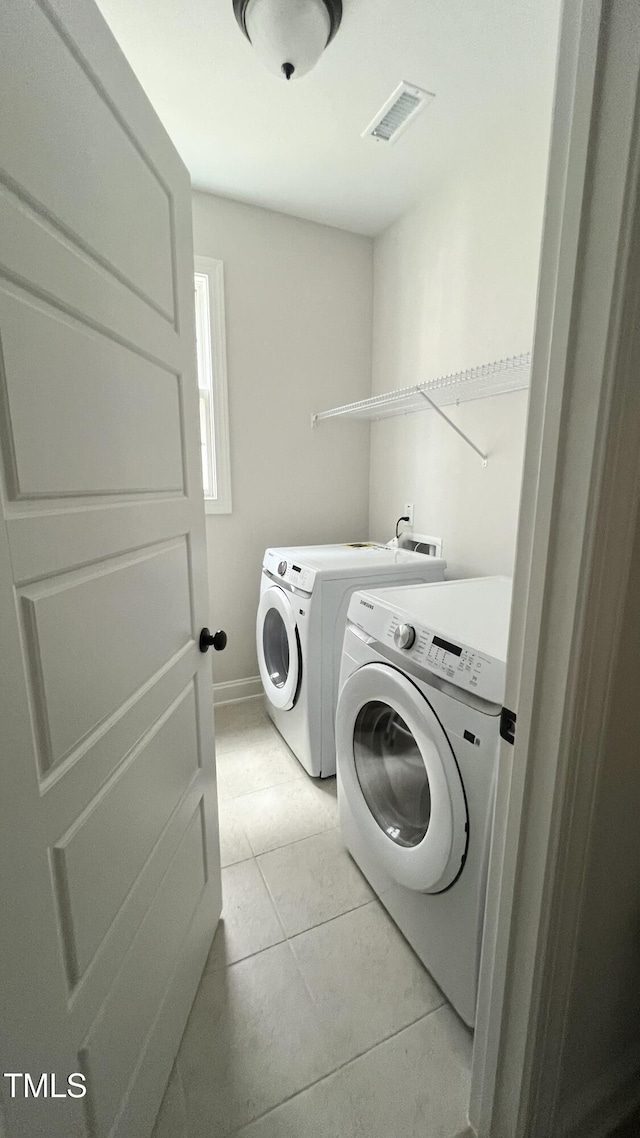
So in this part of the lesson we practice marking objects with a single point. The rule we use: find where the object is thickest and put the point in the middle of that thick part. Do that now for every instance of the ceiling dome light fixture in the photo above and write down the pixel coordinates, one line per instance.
(289, 35)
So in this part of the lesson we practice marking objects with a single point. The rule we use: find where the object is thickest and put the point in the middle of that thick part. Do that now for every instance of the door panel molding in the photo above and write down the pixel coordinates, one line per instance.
(52, 268)
(107, 805)
(54, 540)
(167, 756)
(155, 618)
(57, 79)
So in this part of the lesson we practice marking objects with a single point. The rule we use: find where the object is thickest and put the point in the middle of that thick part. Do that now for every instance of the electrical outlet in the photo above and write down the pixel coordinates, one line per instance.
(407, 512)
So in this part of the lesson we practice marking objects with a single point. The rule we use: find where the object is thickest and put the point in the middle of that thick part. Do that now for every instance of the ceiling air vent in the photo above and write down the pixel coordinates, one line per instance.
(399, 110)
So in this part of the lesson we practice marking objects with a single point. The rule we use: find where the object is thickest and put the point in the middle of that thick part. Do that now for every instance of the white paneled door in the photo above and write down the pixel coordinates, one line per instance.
(109, 876)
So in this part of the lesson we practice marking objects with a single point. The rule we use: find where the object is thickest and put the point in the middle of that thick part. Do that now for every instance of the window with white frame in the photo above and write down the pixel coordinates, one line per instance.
(212, 384)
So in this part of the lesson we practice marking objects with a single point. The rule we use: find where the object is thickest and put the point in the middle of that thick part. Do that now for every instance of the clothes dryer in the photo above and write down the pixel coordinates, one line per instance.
(304, 595)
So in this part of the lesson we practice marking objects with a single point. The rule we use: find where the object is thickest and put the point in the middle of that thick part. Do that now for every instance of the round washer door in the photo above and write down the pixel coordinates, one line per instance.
(278, 648)
(400, 776)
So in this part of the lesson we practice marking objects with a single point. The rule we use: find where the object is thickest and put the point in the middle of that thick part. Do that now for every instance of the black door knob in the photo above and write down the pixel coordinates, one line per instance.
(218, 640)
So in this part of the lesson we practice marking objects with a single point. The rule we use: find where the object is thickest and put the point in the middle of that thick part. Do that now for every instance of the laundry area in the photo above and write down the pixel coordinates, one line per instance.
(377, 393)
(377, 322)
(268, 838)
(341, 988)
(314, 1016)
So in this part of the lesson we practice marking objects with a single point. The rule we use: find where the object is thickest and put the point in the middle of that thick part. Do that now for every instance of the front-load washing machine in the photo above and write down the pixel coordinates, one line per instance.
(417, 734)
(304, 595)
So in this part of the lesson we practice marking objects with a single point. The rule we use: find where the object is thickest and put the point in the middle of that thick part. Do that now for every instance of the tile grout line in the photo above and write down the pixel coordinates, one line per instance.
(340, 1067)
(247, 793)
(290, 938)
(263, 853)
(286, 938)
(262, 789)
(330, 920)
(272, 899)
(318, 924)
(272, 849)
(301, 974)
(250, 955)
(240, 861)
(228, 740)
(360, 1054)
(237, 798)
(237, 734)
(222, 802)
(268, 741)
(357, 868)
(303, 778)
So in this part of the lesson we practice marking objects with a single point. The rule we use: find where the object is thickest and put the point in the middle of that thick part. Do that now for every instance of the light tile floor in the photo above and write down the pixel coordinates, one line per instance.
(314, 1018)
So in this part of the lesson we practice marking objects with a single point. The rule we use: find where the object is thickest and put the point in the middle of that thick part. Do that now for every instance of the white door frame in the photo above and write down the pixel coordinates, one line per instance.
(578, 513)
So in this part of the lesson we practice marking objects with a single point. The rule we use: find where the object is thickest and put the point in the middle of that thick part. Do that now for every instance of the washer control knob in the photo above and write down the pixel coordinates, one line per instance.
(404, 636)
(282, 568)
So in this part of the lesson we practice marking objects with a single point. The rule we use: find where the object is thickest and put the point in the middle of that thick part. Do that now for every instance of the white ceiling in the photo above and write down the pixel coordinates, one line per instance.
(296, 147)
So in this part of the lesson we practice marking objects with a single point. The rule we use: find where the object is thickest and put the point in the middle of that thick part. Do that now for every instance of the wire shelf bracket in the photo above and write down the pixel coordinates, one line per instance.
(456, 428)
(497, 378)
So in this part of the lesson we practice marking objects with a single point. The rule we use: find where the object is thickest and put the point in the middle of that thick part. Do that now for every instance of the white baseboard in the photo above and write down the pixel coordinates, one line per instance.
(237, 689)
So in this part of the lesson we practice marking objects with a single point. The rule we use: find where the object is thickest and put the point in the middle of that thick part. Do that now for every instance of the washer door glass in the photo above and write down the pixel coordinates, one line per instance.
(392, 773)
(398, 778)
(275, 644)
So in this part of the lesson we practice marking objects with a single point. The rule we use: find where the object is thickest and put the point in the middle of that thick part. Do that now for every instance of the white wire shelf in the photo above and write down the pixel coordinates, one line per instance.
(510, 374)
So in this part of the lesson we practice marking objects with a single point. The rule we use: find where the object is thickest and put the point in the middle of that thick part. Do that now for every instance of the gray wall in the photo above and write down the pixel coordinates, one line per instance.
(455, 286)
(298, 302)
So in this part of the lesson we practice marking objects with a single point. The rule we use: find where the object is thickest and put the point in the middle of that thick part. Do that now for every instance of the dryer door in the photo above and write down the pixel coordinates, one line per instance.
(279, 657)
(400, 775)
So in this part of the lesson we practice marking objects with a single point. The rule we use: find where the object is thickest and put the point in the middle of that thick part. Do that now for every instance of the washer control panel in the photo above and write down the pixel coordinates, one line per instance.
(404, 636)
(456, 663)
(290, 572)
